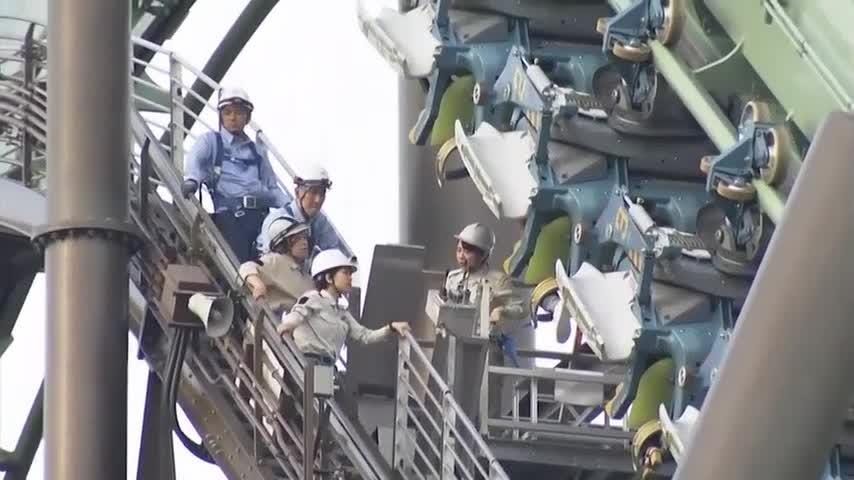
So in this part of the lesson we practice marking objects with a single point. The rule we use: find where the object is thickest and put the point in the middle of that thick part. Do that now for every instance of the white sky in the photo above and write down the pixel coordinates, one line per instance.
(322, 94)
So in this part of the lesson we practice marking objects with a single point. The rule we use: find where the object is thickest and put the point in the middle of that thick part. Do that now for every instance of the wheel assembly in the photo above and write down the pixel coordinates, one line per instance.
(778, 139)
(647, 449)
(736, 192)
(544, 296)
(633, 53)
(674, 19)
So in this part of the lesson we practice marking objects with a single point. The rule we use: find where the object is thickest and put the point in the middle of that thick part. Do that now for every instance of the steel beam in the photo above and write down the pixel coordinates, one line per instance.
(86, 240)
(785, 385)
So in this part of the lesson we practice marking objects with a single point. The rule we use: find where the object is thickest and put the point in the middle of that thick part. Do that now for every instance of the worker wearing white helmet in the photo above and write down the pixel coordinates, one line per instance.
(475, 243)
(278, 276)
(237, 172)
(320, 325)
(310, 186)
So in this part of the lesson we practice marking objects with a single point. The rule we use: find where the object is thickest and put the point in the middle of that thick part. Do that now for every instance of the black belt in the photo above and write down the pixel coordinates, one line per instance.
(246, 202)
(319, 358)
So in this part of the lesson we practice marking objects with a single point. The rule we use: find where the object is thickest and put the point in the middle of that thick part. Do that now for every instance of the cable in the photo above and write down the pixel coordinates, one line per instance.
(175, 362)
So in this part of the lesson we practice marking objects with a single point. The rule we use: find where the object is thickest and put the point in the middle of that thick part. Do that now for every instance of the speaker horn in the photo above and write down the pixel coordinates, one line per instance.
(217, 313)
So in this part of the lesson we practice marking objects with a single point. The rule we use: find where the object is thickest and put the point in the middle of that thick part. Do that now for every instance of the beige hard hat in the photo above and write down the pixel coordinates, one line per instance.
(282, 228)
(478, 235)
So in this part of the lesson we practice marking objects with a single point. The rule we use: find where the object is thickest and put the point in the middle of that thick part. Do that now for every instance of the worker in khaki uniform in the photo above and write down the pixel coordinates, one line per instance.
(277, 276)
(463, 285)
(509, 313)
(318, 322)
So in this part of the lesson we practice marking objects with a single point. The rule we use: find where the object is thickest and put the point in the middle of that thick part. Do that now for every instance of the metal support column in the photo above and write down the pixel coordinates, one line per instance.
(87, 239)
(156, 458)
(778, 403)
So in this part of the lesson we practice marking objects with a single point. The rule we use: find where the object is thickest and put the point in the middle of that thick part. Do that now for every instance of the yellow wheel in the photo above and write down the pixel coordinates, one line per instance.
(541, 291)
(775, 139)
(674, 19)
(646, 442)
(442, 156)
(756, 111)
(632, 53)
(738, 193)
(706, 163)
(781, 145)
(602, 24)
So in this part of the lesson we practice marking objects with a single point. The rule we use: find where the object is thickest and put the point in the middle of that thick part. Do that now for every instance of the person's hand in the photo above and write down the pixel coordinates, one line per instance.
(400, 328)
(281, 329)
(256, 286)
(188, 188)
(495, 315)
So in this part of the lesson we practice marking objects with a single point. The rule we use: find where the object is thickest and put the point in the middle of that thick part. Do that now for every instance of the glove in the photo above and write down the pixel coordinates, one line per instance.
(188, 188)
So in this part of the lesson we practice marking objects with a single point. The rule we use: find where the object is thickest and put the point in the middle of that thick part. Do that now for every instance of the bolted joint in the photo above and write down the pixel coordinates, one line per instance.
(110, 230)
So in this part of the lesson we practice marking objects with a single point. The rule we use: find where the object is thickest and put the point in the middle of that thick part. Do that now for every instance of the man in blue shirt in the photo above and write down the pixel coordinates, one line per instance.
(237, 173)
(311, 186)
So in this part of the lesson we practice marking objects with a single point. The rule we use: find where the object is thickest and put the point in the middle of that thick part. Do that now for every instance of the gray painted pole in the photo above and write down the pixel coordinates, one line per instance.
(783, 389)
(85, 240)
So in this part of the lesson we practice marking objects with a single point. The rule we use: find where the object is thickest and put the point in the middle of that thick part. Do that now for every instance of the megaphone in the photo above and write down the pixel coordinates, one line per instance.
(216, 313)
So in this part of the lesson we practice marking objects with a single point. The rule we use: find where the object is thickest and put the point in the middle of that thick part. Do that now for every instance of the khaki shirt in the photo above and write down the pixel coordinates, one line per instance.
(283, 277)
(508, 305)
(321, 326)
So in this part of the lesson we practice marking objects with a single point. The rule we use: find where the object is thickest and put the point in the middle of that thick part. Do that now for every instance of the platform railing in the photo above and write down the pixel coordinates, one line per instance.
(560, 404)
(433, 437)
(23, 101)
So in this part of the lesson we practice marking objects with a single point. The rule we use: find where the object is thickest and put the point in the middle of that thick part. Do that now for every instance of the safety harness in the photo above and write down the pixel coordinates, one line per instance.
(248, 201)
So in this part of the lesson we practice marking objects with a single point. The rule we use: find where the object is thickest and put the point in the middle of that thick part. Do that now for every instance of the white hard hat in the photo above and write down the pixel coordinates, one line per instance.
(282, 228)
(313, 175)
(478, 235)
(329, 260)
(233, 95)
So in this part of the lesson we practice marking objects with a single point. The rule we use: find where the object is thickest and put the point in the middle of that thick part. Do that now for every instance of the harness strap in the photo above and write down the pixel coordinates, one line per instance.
(219, 158)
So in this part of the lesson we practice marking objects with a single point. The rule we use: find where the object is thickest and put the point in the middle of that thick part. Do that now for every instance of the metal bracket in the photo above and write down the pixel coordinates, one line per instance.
(114, 230)
(730, 173)
(484, 62)
(626, 33)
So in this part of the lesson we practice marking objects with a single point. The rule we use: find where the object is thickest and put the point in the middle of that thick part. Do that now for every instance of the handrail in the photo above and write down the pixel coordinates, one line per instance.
(458, 447)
